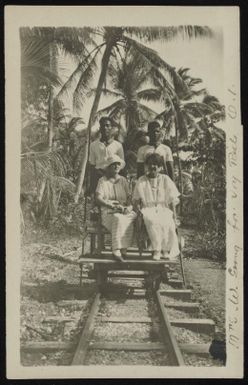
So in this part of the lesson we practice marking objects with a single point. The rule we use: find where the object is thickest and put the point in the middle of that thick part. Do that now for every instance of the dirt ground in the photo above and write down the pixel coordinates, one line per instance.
(46, 281)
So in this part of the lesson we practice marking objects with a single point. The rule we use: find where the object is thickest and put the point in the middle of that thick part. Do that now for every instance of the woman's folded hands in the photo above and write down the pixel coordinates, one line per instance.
(119, 208)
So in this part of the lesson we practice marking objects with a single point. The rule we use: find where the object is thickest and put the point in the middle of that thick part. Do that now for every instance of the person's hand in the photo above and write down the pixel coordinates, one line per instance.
(112, 204)
(177, 222)
(115, 203)
(120, 209)
(128, 209)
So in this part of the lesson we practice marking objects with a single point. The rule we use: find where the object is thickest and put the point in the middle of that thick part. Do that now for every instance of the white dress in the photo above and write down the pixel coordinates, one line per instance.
(155, 195)
(120, 225)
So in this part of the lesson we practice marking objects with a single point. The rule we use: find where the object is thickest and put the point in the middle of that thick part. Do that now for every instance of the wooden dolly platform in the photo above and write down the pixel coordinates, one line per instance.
(104, 264)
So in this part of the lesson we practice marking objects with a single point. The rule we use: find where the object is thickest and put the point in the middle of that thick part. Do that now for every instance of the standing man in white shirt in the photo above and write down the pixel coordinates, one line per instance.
(155, 146)
(102, 149)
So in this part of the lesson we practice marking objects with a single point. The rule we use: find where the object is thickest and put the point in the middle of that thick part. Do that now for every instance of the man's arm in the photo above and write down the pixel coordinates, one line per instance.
(120, 152)
(140, 162)
(92, 172)
(92, 168)
(169, 163)
(140, 169)
(170, 169)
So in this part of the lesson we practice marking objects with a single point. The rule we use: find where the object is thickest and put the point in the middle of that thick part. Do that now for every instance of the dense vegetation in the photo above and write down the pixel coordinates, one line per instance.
(59, 68)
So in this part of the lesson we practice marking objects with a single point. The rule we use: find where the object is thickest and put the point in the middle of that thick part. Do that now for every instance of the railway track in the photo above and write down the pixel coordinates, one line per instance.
(131, 321)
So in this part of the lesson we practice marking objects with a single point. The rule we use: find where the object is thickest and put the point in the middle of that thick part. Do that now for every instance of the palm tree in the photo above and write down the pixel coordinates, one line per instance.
(40, 53)
(127, 79)
(116, 37)
(40, 49)
(183, 111)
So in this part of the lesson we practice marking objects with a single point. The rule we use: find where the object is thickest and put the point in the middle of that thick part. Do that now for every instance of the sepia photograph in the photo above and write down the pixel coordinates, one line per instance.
(128, 185)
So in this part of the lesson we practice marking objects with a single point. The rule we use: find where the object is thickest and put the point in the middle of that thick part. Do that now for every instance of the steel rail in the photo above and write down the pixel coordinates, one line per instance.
(84, 341)
(168, 335)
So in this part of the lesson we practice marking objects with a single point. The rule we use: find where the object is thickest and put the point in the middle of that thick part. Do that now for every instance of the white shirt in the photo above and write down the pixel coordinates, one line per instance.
(99, 152)
(163, 150)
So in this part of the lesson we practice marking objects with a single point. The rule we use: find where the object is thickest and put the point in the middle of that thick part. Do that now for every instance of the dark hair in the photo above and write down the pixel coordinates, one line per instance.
(152, 125)
(105, 119)
(155, 159)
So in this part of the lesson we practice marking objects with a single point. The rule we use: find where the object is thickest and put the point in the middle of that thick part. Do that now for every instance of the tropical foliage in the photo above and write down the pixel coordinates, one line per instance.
(63, 68)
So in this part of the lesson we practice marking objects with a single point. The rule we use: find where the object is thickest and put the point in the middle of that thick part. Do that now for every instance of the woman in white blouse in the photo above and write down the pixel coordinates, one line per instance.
(156, 196)
(113, 195)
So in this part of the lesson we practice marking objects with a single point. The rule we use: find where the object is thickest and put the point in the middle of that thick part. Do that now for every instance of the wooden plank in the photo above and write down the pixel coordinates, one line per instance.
(84, 341)
(185, 306)
(127, 274)
(196, 324)
(168, 335)
(177, 283)
(126, 320)
(47, 346)
(127, 346)
(183, 294)
(199, 349)
(131, 249)
(114, 263)
(130, 255)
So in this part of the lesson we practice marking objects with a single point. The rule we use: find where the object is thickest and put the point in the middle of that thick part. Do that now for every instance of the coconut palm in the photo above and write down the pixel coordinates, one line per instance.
(184, 111)
(41, 50)
(115, 38)
(128, 80)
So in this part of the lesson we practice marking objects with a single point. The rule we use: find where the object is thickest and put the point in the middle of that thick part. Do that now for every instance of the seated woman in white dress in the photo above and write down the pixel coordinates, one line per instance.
(112, 193)
(156, 196)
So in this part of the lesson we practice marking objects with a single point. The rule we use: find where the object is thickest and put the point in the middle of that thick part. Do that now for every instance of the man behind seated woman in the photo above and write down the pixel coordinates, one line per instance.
(155, 146)
(101, 149)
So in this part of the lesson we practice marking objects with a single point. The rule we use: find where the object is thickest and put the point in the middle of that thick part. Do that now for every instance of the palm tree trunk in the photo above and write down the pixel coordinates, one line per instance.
(179, 168)
(50, 117)
(102, 77)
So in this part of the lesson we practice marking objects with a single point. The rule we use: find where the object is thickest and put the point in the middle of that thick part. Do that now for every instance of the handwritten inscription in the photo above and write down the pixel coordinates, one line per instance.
(233, 338)
(234, 222)
(231, 109)
(232, 155)
(233, 270)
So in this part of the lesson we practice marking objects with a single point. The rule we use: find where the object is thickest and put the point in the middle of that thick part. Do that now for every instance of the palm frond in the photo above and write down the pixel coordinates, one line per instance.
(151, 94)
(183, 72)
(149, 34)
(71, 40)
(71, 84)
(154, 59)
(106, 92)
(29, 71)
(147, 113)
(190, 120)
(198, 110)
(83, 84)
(119, 104)
(212, 102)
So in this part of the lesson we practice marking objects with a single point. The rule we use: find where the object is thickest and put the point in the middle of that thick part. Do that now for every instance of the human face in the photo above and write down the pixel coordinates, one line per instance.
(106, 129)
(155, 135)
(153, 169)
(114, 169)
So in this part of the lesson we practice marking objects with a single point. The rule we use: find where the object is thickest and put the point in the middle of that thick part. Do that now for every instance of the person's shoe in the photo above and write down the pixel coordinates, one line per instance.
(165, 255)
(156, 255)
(124, 252)
(117, 255)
